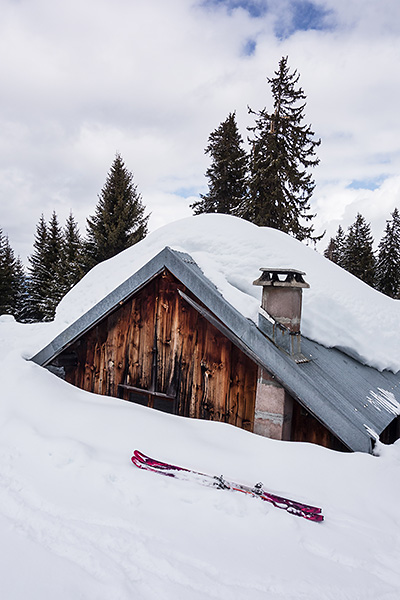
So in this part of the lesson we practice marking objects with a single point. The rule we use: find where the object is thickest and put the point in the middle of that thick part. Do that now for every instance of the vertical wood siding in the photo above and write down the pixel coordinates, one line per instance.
(157, 342)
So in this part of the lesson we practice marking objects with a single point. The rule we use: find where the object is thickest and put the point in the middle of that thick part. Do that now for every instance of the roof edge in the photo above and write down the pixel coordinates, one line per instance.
(100, 310)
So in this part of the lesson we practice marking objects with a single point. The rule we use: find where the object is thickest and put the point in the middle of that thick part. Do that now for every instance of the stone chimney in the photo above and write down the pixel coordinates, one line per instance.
(279, 319)
(282, 302)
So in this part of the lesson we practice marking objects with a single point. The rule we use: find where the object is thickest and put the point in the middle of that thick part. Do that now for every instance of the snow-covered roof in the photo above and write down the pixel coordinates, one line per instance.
(339, 310)
(352, 399)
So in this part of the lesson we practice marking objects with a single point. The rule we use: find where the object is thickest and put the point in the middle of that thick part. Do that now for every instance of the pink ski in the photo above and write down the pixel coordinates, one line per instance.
(311, 513)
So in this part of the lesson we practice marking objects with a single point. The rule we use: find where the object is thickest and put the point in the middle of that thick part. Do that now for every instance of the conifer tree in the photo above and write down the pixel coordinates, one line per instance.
(7, 264)
(282, 151)
(358, 256)
(72, 264)
(227, 174)
(119, 220)
(330, 250)
(38, 274)
(21, 298)
(387, 273)
(54, 251)
(336, 246)
(13, 295)
(45, 282)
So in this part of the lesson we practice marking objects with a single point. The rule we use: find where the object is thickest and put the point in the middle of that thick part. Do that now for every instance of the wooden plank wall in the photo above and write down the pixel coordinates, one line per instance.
(306, 428)
(156, 341)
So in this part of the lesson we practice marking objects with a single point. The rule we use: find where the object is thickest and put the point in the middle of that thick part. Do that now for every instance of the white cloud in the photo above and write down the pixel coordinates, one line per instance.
(152, 79)
(338, 205)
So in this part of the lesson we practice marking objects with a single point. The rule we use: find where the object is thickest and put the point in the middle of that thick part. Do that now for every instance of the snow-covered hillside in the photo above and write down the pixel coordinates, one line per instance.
(78, 520)
(338, 310)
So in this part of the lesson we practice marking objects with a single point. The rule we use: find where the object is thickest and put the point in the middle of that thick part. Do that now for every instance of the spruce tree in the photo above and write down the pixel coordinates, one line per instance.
(21, 297)
(72, 266)
(38, 274)
(227, 174)
(7, 267)
(54, 251)
(335, 248)
(387, 273)
(358, 256)
(45, 282)
(282, 151)
(119, 220)
(13, 289)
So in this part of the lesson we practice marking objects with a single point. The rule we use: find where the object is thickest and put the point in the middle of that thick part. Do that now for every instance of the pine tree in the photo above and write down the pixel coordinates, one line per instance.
(387, 273)
(72, 264)
(329, 251)
(13, 296)
(45, 283)
(336, 246)
(54, 251)
(21, 297)
(227, 174)
(358, 256)
(119, 220)
(282, 150)
(7, 265)
(38, 275)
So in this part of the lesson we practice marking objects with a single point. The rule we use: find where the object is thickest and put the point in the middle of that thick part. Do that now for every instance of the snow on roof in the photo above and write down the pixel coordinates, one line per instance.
(339, 310)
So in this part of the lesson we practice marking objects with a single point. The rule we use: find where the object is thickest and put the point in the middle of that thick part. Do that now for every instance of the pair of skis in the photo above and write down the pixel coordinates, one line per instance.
(311, 513)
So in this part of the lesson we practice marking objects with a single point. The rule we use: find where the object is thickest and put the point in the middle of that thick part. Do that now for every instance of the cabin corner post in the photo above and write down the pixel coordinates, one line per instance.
(273, 408)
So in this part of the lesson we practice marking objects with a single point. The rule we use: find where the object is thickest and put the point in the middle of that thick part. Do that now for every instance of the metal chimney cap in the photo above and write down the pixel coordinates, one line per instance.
(281, 278)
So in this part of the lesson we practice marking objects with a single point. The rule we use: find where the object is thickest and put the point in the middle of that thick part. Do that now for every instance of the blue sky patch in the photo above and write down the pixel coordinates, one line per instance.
(249, 48)
(307, 15)
(291, 16)
(372, 183)
(255, 8)
(188, 192)
(304, 16)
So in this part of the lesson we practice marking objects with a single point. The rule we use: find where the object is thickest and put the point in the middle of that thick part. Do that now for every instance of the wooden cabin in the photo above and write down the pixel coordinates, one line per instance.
(157, 350)
(167, 339)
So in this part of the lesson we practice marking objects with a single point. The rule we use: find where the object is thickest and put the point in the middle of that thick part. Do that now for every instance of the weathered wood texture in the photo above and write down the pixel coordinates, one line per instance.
(157, 342)
(306, 428)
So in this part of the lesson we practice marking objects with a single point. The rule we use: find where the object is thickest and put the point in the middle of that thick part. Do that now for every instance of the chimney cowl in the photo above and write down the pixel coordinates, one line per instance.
(281, 278)
(282, 296)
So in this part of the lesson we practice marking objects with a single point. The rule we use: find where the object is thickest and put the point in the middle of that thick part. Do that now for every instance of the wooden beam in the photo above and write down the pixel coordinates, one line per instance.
(132, 388)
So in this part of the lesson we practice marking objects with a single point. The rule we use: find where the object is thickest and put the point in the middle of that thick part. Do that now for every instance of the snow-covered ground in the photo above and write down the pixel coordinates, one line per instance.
(79, 521)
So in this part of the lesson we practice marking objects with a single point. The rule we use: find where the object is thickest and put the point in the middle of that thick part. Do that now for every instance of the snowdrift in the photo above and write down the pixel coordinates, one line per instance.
(78, 520)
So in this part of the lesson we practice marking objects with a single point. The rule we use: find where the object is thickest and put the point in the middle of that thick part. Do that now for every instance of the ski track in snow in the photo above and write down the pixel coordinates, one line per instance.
(145, 565)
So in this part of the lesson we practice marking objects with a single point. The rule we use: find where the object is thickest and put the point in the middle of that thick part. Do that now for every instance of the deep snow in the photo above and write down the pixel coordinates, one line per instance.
(79, 521)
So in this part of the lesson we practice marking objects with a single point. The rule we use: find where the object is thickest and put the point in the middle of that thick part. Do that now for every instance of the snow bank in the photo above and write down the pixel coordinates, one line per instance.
(78, 520)
(338, 311)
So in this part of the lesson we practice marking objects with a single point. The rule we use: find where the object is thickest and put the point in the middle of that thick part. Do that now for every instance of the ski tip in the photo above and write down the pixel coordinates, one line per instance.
(316, 517)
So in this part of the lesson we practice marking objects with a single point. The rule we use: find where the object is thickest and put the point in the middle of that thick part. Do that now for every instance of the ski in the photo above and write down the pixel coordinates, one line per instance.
(311, 513)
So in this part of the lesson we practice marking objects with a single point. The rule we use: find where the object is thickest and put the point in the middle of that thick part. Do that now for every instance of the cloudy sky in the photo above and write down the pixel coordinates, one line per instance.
(151, 79)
